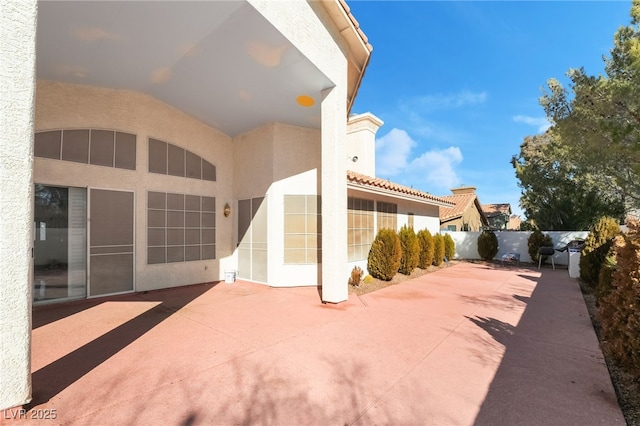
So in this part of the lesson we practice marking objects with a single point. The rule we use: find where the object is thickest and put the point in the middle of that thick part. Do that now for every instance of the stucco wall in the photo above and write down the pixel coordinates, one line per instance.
(253, 162)
(361, 143)
(297, 153)
(310, 29)
(513, 242)
(277, 160)
(66, 106)
(17, 76)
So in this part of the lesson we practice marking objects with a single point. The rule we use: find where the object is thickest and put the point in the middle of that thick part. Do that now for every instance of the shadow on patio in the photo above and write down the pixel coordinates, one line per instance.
(534, 383)
(53, 378)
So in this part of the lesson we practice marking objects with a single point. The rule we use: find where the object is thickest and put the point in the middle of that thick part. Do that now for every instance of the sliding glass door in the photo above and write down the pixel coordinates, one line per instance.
(60, 246)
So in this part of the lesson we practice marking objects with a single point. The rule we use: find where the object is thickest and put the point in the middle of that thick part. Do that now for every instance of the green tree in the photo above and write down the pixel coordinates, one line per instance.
(598, 118)
(556, 195)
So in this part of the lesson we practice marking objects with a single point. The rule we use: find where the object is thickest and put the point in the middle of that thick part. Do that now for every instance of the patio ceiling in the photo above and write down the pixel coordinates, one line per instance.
(218, 61)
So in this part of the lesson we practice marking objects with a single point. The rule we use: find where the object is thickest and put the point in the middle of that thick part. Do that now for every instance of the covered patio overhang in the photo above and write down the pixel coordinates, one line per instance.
(232, 65)
(223, 63)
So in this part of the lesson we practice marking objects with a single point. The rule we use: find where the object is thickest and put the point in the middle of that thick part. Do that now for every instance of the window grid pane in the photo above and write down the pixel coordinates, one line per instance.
(175, 231)
(169, 159)
(387, 215)
(360, 228)
(302, 235)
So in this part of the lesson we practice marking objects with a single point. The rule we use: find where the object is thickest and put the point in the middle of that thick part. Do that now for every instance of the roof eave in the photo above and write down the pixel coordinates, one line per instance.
(395, 194)
(357, 41)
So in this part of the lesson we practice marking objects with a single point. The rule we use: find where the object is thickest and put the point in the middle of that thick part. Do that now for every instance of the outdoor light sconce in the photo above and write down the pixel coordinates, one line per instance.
(227, 210)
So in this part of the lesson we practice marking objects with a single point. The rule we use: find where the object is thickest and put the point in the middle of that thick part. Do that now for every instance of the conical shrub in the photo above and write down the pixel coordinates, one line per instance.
(410, 250)
(618, 311)
(385, 254)
(449, 246)
(426, 249)
(487, 245)
(596, 247)
(438, 249)
(536, 240)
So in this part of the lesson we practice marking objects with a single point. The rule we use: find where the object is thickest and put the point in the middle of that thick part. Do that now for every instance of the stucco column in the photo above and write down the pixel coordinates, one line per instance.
(334, 196)
(17, 90)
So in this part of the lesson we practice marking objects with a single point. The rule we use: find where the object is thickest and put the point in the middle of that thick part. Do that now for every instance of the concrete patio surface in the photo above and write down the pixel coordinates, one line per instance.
(469, 344)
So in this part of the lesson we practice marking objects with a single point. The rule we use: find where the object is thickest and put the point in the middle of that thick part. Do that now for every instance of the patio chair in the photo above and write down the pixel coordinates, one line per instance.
(546, 251)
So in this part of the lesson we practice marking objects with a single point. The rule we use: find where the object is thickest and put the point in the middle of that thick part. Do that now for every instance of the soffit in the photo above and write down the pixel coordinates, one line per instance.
(220, 62)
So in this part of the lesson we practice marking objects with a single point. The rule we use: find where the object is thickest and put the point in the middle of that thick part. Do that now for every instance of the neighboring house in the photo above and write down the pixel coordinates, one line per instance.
(466, 214)
(514, 222)
(499, 215)
(170, 152)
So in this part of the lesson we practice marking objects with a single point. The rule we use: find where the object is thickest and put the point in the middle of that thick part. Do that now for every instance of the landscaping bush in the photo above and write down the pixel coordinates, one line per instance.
(596, 247)
(487, 245)
(605, 277)
(410, 250)
(619, 311)
(449, 247)
(536, 240)
(385, 254)
(438, 249)
(368, 279)
(426, 249)
(356, 276)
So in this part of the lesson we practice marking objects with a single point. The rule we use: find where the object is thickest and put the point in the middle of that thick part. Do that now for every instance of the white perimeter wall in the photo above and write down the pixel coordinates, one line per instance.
(513, 242)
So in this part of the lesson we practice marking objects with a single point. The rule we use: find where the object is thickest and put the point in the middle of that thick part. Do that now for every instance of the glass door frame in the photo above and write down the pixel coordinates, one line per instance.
(41, 227)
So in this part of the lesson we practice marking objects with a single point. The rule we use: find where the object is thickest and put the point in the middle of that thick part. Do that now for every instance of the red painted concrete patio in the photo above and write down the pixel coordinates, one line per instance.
(469, 344)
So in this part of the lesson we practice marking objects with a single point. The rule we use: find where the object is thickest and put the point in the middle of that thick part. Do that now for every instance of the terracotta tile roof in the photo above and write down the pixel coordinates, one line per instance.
(493, 209)
(462, 202)
(378, 183)
(356, 24)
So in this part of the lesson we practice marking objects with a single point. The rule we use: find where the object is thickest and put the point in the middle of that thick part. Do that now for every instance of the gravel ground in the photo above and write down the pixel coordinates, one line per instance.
(626, 385)
(377, 284)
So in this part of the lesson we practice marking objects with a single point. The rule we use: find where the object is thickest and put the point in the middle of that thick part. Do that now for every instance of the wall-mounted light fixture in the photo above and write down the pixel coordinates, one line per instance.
(227, 210)
(354, 158)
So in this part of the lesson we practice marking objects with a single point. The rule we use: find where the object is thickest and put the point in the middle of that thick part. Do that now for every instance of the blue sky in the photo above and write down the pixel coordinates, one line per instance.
(457, 83)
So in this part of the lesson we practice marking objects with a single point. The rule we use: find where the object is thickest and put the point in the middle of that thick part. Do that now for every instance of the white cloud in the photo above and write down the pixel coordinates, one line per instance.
(392, 152)
(434, 170)
(540, 122)
(437, 168)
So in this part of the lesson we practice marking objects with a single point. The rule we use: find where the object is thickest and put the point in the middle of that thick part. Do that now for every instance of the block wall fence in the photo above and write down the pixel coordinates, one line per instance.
(513, 242)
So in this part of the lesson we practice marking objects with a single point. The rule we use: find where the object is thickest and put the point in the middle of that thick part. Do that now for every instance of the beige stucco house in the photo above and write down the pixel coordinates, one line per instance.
(148, 145)
(466, 214)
